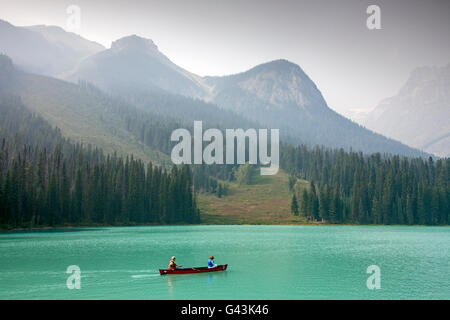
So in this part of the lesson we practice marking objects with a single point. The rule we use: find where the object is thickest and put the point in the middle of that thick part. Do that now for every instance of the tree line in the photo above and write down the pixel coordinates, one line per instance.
(349, 187)
(45, 179)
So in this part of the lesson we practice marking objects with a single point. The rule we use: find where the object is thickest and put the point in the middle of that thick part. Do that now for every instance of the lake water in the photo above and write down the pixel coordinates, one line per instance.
(265, 262)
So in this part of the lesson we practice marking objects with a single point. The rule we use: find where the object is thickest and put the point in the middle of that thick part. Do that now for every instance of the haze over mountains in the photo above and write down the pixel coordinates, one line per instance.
(135, 63)
(45, 50)
(419, 115)
(84, 115)
(277, 94)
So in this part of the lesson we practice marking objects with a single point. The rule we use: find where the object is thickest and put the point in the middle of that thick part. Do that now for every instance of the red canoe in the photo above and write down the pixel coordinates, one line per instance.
(222, 267)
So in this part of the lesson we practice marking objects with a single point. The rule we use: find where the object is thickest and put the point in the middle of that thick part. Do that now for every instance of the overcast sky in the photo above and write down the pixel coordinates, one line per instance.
(353, 66)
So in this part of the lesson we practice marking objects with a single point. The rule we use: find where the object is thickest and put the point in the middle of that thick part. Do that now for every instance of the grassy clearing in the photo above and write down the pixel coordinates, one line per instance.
(266, 201)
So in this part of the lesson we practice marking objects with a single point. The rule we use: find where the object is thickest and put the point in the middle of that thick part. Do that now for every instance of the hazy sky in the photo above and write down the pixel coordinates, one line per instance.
(353, 66)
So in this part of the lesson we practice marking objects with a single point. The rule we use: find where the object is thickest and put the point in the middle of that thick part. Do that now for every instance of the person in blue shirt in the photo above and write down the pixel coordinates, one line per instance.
(211, 263)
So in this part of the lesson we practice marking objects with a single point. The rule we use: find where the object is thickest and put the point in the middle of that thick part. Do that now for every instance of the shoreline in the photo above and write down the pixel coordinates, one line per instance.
(82, 226)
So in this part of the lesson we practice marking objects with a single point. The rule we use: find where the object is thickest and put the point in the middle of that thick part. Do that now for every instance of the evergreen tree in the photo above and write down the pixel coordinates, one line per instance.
(294, 205)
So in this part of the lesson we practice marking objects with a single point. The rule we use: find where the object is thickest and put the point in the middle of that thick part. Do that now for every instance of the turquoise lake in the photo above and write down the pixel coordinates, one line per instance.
(265, 262)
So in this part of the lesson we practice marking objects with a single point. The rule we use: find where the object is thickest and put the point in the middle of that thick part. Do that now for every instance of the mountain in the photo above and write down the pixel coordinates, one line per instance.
(135, 63)
(70, 41)
(44, 50)
(279, 85)
(82, 114)
(277, 94)
(419, 114)
(280, 94)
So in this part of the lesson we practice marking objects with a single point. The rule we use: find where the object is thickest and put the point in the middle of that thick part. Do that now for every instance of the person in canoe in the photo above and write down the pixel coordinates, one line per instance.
(172, 264)
(211, 263)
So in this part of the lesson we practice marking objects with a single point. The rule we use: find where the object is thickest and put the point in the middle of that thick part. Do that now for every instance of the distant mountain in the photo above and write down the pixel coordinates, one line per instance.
(280, 95)
(58, 36)
(135, 63)
(419, 114)
(44, 50)
(358, 115)
(277, 94)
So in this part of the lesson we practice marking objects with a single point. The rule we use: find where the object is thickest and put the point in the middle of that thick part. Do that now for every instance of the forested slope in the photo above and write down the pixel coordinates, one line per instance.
(45, 179)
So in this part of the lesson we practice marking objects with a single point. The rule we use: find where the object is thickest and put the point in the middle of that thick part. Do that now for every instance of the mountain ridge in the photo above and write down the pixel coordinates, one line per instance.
(418, 114)
(135, 62)
(276, 94)
(44, 50)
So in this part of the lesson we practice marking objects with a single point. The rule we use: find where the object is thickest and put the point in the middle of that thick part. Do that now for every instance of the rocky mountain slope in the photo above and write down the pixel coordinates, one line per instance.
(419, 114)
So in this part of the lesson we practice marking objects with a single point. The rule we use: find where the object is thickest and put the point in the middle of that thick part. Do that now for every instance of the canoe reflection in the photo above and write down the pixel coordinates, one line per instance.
(209, 278)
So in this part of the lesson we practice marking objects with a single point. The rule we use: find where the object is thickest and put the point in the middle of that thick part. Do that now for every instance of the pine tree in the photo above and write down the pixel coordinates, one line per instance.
(294, 205)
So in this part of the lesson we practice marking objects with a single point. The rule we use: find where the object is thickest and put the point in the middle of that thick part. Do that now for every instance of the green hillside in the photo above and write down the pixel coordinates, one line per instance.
(83, 115)
(265, 201)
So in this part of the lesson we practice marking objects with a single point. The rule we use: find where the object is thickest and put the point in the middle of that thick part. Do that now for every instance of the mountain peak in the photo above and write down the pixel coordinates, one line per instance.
(280, 65)
(279, 83)
(427, 76)
(429, 71)
(418, 115)
(134, 42)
